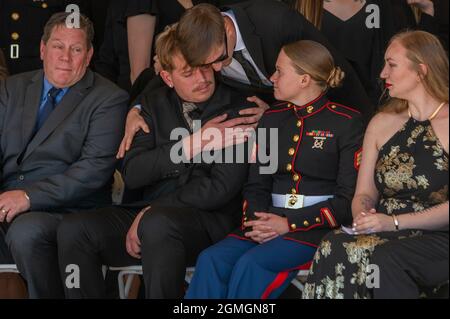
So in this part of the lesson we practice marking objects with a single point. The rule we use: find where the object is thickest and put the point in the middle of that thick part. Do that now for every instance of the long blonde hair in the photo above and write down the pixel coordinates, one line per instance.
(310, 57)
(312, 10)
(3, 69)
(423, 48)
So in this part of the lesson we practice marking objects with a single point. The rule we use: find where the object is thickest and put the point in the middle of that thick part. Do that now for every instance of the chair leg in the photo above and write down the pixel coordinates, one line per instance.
(120, 279)
(128, 284)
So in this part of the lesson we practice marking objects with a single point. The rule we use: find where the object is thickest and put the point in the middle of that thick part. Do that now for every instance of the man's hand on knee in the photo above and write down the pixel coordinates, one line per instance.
(133, 243)
(12, 204)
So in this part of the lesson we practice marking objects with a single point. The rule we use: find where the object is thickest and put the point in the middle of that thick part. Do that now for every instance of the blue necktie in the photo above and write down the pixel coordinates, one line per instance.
(48, 107)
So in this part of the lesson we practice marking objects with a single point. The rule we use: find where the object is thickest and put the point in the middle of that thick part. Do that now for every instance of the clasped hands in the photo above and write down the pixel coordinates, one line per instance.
(372, 222)
(267, 227)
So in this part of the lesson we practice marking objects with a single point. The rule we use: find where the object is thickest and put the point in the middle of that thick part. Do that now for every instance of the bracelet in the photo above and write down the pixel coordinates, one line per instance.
(396, 223)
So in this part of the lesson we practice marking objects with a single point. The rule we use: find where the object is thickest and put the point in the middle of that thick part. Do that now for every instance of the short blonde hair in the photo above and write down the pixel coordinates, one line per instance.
(310, 57)
(167, 47)
(423, 48)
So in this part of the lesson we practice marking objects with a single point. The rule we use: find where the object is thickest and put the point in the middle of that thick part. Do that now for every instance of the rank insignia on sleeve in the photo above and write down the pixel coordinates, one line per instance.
(358, 158)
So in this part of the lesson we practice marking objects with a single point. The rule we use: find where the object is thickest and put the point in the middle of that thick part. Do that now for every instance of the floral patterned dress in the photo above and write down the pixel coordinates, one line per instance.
(411, 175)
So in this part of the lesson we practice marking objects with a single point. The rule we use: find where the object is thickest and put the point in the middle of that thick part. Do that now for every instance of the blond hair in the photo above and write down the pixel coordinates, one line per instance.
(312, 10)
(423, 48)
(166, 47)
(310, 57)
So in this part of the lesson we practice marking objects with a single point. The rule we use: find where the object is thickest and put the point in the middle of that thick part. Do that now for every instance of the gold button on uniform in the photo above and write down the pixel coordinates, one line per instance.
(294, 191)
(296, 138)
(293, 227)
(318, 220)
(44, 5)
(289, 167)
(333, 107)
(291, 152)
(299, 124)
(15, 16)
(296, 178)
(310, 109)
(15, 36)
(305, 223)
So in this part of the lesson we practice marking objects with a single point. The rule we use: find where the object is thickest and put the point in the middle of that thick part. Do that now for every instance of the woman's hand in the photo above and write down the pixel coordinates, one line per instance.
(373, 222)
(267, 227)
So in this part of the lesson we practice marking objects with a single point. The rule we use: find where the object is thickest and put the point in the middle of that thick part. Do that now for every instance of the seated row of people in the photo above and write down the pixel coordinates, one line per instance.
(61, 128)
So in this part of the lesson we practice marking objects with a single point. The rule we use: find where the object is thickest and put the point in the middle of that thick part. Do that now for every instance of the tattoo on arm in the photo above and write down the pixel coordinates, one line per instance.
(367, 203)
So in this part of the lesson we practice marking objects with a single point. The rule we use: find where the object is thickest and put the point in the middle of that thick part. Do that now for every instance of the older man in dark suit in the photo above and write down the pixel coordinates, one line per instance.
(59, 130)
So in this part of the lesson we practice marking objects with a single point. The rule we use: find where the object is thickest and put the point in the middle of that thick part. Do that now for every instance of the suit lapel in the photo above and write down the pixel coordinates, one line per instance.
(251, 40)
(67, 105)
(31, 106)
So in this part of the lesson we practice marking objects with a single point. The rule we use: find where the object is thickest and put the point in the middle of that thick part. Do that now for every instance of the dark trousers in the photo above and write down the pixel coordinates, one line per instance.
(171, 239)
(90, 240)
(410, 264)
(30, 242)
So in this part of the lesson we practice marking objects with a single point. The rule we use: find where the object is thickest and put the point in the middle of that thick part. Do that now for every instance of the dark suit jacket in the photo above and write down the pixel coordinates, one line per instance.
(214, 188)
(267, 25)
(71, 159)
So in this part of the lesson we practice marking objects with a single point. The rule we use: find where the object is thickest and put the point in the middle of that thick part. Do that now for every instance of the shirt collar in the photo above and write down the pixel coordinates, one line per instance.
(48, 86)
(240, 45)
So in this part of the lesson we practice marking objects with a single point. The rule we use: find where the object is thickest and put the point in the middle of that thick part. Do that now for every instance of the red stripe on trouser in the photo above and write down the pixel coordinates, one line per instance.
(277, 283)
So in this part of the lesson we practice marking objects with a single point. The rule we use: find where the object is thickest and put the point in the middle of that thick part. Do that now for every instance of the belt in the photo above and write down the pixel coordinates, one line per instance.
(291, 201)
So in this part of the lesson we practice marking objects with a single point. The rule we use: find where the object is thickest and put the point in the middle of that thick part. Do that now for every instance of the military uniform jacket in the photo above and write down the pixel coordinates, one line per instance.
(319, 148)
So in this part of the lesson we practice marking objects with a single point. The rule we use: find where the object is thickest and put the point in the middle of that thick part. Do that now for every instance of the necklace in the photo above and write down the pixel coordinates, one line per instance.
(435, 113)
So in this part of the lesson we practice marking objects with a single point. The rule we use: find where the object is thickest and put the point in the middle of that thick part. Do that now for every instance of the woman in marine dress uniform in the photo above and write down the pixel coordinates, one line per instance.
(286, 213)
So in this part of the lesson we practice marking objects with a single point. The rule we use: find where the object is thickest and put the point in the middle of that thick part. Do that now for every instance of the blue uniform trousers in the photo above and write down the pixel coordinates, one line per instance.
(240, 269)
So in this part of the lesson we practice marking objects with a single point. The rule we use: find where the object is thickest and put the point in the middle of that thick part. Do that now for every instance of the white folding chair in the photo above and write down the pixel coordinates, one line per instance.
(8, 269)
(298, 281)
(131, 272)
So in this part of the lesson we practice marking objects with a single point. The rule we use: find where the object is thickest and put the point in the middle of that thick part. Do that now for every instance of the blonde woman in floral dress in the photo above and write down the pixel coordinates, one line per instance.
(400, 209)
